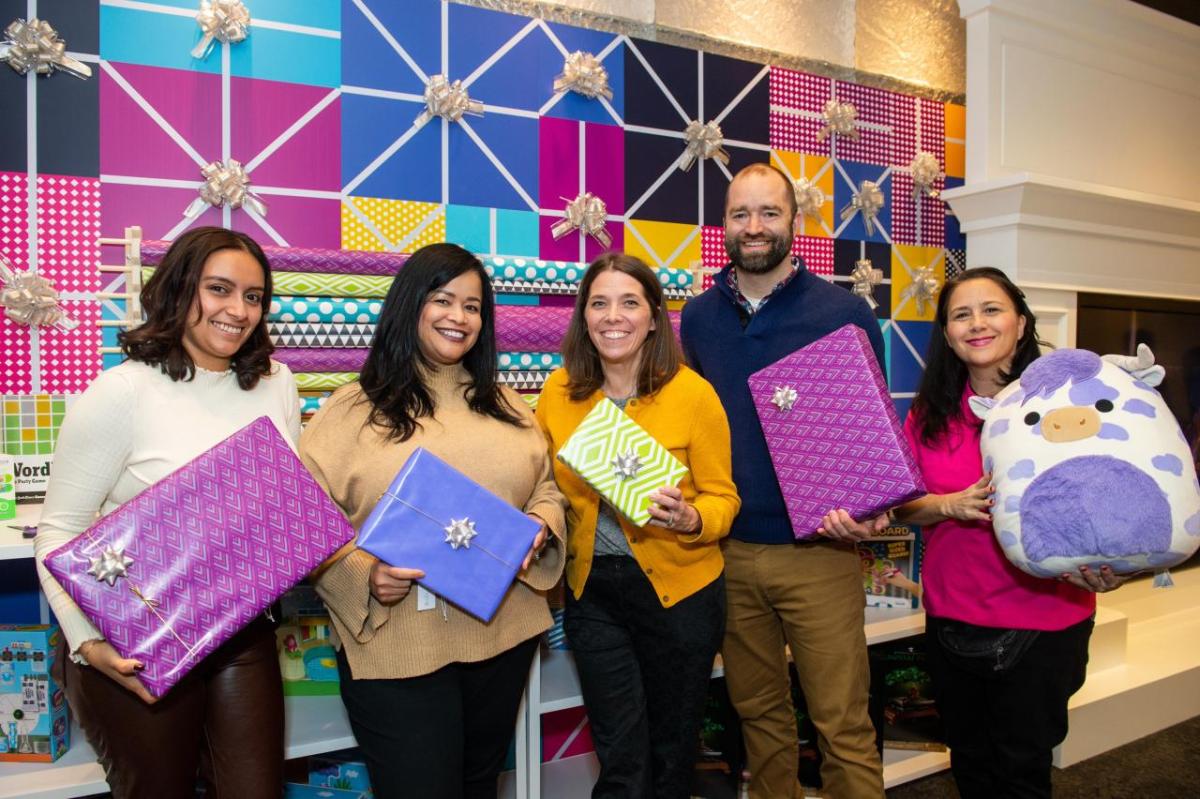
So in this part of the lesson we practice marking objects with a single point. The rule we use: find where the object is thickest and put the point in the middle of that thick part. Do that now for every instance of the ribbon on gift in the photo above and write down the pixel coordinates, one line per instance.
(869, 200)
(583, 73)
(225, 21)
(925, 172)
(36, 45)
(588, 214)
(459, 532)
(809, 198)
(447, 100)
(922, 288)
(840, 119)
(31, 300)
(225, 183)
(703, 141)
(866, 278)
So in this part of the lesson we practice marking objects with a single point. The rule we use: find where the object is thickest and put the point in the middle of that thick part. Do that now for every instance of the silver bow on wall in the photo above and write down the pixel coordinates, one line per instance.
(588, 214)
(36, 45)
(869, 200)
(866, 278)
(447, 100)
(226, 184)
(703, 141)
(840, 119)
(31, 300)
(225, 21)
(809, 198)
(583, 73)
(925, 172)
(922, 288)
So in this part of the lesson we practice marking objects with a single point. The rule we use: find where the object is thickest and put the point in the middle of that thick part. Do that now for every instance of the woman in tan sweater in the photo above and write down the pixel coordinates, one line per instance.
(432, 692)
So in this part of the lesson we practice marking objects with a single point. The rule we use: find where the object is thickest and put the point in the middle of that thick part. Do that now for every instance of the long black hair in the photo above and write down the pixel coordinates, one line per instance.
(392, 377)
(940, 397)
(169, 299)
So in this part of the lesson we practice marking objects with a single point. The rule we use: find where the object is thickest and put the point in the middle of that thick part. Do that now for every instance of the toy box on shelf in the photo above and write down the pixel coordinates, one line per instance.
(901, 703)
(34, 720)
(306, 657)
(891, 567)
(342, 771)
(29, 425)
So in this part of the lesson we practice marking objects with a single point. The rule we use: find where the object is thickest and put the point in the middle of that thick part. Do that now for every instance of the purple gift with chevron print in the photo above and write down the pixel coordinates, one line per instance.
(469, 542)
(174, 572)
(833, 433)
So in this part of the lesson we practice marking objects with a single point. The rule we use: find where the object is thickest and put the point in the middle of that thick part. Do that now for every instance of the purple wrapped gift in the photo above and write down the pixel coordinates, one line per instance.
(833, 433)
(174, 572)
(468, 541)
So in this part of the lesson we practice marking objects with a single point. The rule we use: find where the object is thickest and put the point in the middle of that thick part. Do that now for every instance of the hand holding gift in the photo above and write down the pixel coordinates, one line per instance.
(101, 656)
(841, 526)
(669, 510)
(390, 584)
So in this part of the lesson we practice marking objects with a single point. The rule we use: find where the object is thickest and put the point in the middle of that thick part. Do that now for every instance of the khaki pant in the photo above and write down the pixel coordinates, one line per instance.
(809, 596)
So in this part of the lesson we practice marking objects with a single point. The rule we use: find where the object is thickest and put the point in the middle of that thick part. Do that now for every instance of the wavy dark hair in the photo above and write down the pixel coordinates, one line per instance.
(169, 298)
(392, 379)
(939, 398)
(660, 356)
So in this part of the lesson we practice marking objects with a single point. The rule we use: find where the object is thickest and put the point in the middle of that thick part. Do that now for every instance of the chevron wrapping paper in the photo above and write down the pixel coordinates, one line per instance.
(307, 334)
(322, 359)
(323, 284)
(534, 328)
(322, 381)
(409, 527)
(606, 435)
(839, 443)
(210, 547)
(324, 309)
(304, 259)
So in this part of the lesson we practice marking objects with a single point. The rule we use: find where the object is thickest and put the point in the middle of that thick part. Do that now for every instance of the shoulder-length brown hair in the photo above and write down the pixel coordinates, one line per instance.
(168, 300)
(660, 356)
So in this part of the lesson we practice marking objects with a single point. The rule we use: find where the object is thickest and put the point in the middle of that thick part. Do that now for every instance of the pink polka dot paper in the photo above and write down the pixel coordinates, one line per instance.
(14, 219)
(929, 227)
(70, 360)
(68, 227)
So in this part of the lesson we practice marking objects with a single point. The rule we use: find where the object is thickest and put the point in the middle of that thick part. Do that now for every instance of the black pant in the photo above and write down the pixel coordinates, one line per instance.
(223, 720)
(644, 670)
(1002, 730)
(442, 735)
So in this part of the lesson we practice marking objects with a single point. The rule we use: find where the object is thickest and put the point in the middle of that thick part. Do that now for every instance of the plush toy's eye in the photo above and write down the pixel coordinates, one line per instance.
(1032, 418)
(1104, 406)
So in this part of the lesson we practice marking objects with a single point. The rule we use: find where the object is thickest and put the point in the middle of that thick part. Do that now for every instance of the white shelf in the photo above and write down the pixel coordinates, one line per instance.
(905, 765)
(315, 724)
(12, 545)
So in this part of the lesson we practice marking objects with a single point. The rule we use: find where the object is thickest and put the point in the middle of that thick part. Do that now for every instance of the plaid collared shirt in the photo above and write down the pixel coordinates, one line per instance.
(748, 306)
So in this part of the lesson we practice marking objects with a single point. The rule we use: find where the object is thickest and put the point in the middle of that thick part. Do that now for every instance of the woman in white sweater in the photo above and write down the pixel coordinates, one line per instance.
(198, 370)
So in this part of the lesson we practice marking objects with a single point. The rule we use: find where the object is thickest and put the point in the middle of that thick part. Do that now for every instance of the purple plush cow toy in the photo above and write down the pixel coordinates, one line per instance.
(1090, 467)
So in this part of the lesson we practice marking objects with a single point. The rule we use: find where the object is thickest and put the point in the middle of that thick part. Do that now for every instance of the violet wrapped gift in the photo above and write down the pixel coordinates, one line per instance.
(469, 542)
(832, 432)
(174, 572)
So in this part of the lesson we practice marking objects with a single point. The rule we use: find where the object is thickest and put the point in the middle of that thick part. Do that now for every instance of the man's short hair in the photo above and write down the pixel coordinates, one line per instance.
(762, 168)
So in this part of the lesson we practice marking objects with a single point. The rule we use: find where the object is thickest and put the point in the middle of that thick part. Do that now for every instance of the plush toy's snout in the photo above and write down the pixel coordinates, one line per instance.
(1072, 423)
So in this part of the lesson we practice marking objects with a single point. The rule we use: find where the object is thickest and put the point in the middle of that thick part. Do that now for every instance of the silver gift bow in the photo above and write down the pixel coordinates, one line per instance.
(839, 119)
(36, 45)
(869, 200)
(226, 183)
(925, 172)
(583, 73)
(224, 21)
(809, 198)
(784, 398)
(588, 214)
(627, 466)
(703, 141)
(866, 278)
(447, 100)
(922, 288)
(30, 299)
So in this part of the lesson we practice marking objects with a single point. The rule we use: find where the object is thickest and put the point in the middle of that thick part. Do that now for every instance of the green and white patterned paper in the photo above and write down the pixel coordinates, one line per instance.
(620, 460)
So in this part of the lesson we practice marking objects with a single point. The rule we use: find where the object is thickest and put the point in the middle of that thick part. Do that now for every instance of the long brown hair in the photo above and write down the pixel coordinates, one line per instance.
(660, 355)
(170, 295)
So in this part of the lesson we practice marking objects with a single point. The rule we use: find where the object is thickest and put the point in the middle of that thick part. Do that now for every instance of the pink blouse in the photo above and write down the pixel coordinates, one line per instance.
(964, 574)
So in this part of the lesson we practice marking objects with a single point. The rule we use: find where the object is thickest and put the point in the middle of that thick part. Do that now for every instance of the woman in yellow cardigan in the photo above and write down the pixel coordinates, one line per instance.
(646, 606)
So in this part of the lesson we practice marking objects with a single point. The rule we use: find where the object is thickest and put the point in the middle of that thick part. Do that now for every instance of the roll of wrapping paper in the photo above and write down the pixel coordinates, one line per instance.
(323, 381)
(324, 309)
(310, 405)
(321, 334)
(321, 359)
(502, 268)
(538, 328)
(528, 361)
(300, 259)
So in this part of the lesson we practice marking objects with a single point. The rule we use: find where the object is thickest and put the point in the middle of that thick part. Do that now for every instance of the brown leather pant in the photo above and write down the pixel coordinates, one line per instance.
(223, 722)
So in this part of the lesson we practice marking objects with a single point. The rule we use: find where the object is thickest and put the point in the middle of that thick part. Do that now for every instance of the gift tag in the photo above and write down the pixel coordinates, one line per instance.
(426, 600)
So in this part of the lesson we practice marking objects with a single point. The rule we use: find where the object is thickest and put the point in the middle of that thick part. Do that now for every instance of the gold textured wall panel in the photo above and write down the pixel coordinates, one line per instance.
(918, 41)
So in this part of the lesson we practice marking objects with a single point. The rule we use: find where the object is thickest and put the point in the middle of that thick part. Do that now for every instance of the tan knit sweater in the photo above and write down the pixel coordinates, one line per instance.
(355, 463)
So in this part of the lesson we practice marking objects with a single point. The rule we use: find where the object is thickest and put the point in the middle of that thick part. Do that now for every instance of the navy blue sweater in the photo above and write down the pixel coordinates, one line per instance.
(725, 345)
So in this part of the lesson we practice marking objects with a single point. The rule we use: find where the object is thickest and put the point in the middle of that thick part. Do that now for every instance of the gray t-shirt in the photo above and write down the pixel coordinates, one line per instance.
(610, 538)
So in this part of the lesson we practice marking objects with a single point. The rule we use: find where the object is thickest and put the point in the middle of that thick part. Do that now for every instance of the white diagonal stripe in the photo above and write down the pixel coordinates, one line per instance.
(293, 129)
(503, 170)
(369, 224)
(152, 113)
(381, 158)
(262, 223)
(500, 53)
(657, 80)
(383, 94)
(391, 40)
(742, 94)
(632, 209)
(637, 234)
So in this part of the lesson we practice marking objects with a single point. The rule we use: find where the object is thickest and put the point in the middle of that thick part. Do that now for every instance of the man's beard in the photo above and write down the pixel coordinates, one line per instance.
(762, 263)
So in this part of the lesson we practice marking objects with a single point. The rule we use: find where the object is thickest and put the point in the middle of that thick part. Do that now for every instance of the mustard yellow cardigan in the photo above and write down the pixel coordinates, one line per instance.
(686, 417)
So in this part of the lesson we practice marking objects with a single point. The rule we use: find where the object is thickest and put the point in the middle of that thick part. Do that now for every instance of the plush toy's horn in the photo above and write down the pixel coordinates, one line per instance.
(1141, 366)
(982, 406)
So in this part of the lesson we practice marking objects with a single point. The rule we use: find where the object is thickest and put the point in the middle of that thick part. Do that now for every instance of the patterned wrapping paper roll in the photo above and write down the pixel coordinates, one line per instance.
(320, 284)
(310, 405)
(300, 259)
(323, 381)
(538, 328)
(528, 361)
(306, 334)
(531, 270)
(324, 309)
(325, 359)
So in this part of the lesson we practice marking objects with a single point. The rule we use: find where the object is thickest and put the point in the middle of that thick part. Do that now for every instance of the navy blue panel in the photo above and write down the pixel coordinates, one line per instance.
(645, 103)
(955, 240)
(846, 252)
(724, 79)
(12, 132)
(77, 22)
(904, 370)
(647, 156)
(68, 121)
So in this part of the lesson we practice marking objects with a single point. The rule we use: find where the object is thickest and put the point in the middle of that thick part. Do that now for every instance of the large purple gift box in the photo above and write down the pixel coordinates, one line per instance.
(833, 433)
(468, 541)
(174, 572)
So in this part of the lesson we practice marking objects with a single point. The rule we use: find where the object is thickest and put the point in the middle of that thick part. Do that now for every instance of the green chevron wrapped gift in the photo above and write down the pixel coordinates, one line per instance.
(620, 460)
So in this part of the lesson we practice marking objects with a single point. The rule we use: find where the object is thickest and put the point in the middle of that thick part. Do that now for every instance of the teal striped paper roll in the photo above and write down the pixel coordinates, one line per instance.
(324, 309)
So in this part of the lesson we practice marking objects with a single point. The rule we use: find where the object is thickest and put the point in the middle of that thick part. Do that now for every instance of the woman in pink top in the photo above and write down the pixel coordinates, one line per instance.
(1006, 650)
